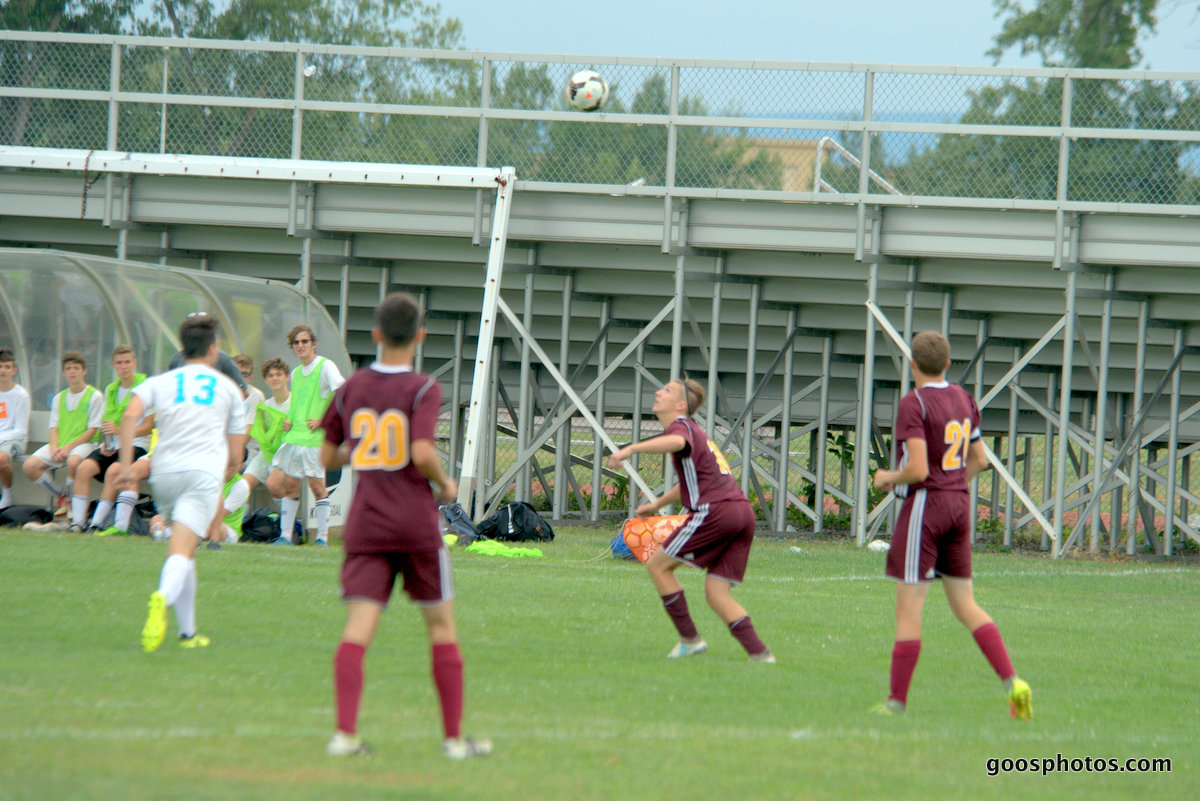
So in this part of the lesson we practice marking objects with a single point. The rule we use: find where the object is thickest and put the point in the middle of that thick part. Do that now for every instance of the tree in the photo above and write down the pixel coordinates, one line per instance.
(25, 120)
(1069, 33)
(1077, 33)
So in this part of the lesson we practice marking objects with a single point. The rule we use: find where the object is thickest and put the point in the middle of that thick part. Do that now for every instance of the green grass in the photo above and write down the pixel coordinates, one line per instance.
(566, 672)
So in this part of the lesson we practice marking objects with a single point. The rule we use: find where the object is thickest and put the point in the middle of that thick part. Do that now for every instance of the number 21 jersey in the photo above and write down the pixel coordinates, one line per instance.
(946, 417)
(380, 411)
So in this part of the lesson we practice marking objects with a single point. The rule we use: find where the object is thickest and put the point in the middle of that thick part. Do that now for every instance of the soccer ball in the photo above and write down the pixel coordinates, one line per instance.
(587, 90)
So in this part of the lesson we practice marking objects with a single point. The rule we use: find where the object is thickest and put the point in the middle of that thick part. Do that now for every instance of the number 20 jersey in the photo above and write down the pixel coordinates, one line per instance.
(946, 417)
(380, 411)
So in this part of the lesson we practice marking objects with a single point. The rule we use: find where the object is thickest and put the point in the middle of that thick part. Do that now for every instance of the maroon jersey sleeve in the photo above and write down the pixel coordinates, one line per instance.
(427, 403)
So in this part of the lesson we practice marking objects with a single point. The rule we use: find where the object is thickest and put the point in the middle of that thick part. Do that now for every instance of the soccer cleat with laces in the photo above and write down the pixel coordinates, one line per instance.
(465, 747)
(1020, 700)
(344, 745)
(112, 531)
(195, 641)
(156, 623)
(683, 649)
(766, 657)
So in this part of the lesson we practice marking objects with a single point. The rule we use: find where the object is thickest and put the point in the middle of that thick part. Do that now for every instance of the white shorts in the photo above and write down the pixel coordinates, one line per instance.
(298, 461)
(13, 447)
(82, 451)
(190, 497)
(258, 468)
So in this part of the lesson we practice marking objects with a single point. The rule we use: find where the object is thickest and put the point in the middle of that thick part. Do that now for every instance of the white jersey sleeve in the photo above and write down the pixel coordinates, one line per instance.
(14, 414)
(96, 409)
(331, 378)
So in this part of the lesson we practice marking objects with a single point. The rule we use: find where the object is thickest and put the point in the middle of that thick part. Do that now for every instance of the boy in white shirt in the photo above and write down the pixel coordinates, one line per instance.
(75, 417)
(14, 423)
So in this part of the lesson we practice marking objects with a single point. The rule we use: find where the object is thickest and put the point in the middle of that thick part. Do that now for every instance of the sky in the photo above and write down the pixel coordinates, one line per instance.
(941, 32)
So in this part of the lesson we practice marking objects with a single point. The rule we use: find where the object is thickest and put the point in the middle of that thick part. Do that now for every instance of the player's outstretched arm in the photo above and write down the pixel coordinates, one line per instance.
(665, 443)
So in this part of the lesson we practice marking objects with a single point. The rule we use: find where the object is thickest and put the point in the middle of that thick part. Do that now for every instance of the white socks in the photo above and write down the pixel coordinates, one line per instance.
(46, 482)
(321, 510)
(125, 502)
(174, 575)
(185, 607)
(79, 505)
(103, 507)
(178, 586)
(287, 516)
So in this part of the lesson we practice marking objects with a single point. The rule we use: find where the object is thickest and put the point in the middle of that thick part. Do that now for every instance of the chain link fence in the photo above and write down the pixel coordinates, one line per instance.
(982, 133)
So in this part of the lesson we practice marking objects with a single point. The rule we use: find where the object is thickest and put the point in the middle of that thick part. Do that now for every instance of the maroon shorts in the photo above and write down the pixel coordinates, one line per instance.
(932, 537)
(372, 576)
(716, 537)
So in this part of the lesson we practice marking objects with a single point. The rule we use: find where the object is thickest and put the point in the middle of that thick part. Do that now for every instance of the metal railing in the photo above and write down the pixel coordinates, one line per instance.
(985, 137)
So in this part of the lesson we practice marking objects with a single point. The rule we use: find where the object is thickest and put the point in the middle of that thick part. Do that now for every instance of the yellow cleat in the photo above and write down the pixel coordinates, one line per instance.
(890, 708)
(195, 641)
(156, 623)
(1020, 700)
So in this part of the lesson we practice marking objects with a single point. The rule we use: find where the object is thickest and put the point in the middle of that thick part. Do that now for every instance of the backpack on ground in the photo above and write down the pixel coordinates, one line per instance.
(457, 522)
(516, 522)
(261, 525)
(20, 514)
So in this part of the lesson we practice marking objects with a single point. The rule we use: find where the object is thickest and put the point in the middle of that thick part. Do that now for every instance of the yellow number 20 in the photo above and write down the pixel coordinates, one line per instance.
(382, 440)
(958, 434)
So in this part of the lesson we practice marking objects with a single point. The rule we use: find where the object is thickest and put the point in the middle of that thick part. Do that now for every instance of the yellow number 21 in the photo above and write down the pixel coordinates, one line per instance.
(958, 434)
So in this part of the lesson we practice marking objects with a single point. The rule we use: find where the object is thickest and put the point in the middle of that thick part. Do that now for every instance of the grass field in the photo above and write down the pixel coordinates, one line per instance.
(566, 672)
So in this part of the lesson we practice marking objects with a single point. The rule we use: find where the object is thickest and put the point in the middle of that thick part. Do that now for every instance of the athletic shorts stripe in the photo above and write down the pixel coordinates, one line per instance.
(677, 542)
(912, 552)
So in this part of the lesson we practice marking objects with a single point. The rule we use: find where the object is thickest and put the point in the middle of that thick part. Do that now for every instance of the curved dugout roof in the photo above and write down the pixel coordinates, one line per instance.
(53, 301)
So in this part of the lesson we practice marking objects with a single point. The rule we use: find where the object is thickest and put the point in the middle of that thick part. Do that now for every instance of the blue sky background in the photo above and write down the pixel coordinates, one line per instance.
(939, 32)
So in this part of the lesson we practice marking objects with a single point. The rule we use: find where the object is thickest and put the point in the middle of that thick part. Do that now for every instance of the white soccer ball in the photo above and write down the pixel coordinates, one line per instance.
(587, 90)
(877, 545)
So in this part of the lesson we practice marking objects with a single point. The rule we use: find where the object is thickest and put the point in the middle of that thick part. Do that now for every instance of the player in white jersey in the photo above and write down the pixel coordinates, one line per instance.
(198, 413)
(14, 423)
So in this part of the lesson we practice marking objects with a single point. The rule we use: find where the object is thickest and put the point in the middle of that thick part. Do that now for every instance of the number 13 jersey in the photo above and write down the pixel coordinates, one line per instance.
(380, 411)
(946, 417)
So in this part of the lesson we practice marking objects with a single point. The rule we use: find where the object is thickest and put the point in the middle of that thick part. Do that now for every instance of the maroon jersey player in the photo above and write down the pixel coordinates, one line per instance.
(381, 422)
(718, 531)
(938, 450)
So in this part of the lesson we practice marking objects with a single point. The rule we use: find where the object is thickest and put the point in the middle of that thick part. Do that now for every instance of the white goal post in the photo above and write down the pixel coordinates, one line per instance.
(500, 180)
